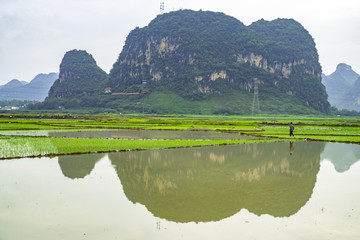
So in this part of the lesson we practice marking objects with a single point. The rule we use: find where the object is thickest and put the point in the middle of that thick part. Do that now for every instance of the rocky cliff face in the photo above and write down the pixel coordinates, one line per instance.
(199, 53)
(284, 67)
(201, 63)
(79, 75)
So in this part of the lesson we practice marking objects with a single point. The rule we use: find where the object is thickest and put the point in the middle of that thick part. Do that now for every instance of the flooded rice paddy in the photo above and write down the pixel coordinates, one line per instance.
(132, 134)
(300, 190)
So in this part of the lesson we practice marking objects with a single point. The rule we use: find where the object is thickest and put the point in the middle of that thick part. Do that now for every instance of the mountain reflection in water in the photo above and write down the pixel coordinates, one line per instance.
(213, 183)
(280, 188)
(78, 166)
(342, 156)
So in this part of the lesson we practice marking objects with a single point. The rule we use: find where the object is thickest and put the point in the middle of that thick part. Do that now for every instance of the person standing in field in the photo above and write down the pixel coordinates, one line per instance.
(292, 129)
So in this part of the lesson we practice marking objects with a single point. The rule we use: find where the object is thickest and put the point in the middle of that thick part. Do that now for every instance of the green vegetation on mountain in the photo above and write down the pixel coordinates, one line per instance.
(199, 55)
(200, 63)
(79, 75)
(80, 81)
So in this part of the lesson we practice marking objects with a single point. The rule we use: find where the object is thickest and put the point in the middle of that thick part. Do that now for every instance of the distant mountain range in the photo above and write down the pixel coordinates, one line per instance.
(13, 84)
(343, 88)
(37, 89)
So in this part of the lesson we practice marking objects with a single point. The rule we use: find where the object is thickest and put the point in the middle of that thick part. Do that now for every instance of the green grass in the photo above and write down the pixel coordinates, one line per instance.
(317, 128)
(321, 133)
(12, 147)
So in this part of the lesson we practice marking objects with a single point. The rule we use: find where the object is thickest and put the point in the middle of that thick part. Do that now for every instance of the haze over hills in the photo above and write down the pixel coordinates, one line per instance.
(37, 89)
(343, 88)
(202, 63)
(13, 83)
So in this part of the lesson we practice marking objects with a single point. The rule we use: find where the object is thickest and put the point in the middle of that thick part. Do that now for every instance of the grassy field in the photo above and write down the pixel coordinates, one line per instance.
(266, 128)
(14, 147)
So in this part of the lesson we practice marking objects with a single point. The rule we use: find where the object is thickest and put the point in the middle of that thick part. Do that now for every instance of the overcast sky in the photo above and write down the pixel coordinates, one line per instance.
(35, 34)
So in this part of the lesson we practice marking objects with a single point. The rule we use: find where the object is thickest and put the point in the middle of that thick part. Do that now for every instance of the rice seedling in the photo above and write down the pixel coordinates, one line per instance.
(43, 146)
(306, 128)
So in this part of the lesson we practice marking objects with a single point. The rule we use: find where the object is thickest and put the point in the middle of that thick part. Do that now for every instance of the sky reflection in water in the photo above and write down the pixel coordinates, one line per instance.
(248, 191)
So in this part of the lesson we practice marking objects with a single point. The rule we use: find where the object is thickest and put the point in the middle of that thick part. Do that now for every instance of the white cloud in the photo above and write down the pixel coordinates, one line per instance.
(35, 34)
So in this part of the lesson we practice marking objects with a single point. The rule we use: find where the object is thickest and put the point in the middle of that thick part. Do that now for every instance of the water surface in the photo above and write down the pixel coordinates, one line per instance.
(251, 191)
(132, 134)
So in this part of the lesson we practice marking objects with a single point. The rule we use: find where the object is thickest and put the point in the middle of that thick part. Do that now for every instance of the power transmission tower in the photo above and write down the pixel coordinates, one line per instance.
(256, 105)
(162, 8)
